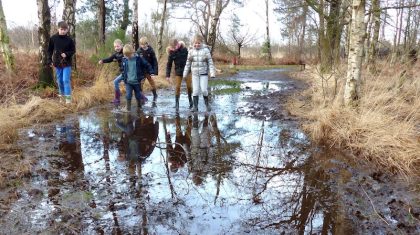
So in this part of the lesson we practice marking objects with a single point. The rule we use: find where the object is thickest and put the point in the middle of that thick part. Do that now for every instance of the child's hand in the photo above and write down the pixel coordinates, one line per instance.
(100, 62)
(63, 55)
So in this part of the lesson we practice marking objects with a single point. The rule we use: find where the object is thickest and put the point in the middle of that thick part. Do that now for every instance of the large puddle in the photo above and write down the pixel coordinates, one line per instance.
(158, 172)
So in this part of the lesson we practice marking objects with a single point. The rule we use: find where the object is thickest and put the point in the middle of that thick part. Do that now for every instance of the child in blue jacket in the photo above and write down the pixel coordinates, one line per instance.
(134, 68)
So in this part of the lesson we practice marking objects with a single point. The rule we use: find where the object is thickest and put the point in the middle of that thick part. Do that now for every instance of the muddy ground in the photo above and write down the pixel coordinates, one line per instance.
(243, 168)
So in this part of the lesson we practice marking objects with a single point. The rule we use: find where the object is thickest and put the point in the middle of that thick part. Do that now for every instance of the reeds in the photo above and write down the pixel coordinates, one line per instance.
(384, 128)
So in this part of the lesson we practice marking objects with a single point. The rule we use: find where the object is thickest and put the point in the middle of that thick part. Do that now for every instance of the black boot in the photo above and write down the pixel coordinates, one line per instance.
(177, 102)
(154, 94)
(139, 103)
(190, 100)
(206, 101)
(195, 109)
(128, 108)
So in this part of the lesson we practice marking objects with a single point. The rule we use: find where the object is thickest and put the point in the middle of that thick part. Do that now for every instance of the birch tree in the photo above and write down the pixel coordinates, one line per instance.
(4, 42)
(267, 30)
(44, 17)
(354, 64)
(135, 28)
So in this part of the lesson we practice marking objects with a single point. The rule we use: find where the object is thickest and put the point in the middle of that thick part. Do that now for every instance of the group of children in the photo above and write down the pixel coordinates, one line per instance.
(137, 66)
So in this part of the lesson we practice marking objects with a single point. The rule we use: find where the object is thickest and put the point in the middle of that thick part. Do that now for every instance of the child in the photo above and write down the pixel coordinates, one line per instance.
(60, 52)
(146, 51)
(134, 68)
(178, 53)
(200, 62)
(117, 56)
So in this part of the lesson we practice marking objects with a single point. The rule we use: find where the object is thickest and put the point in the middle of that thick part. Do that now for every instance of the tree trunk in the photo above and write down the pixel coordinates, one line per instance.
(125, 21)
(4, 42)
(69, 18)
(44, 17)
(354, 64)
(136, 24)
(267, 28)
(214, 22)
(302, 35)
(373, 50)
(101, 22)
(162, 24)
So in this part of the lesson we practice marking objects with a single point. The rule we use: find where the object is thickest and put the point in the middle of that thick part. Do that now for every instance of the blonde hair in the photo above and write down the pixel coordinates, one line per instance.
(143, 41)
(128, 50)
(198, 38)
(118, 41)
(173, 42)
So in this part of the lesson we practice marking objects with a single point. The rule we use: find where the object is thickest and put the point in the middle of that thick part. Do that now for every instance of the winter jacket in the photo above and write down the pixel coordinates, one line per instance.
(200, 62)
(150, 56)
(179, 57)
(117, 56)
(60, 44)
(142, 68)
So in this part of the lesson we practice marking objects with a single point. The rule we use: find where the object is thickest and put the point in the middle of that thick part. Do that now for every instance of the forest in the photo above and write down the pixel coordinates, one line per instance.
(315, 131)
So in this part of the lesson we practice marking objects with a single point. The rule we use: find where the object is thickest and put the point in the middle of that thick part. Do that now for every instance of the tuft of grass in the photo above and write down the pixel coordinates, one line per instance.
(383, 129)
(227, 91)
(222, 87)
(220, 82)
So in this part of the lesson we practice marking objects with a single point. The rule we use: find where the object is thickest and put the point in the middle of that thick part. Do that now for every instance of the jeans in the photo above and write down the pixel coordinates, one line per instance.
(200, 82)
(64, 80)
(117, 81)
(129, 90)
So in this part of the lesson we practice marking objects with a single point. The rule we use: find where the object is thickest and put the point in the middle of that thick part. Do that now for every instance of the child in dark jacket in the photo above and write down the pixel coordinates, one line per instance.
(117, 56)
(61, 49)
(177, 54)
(147, 52)
(134, 68)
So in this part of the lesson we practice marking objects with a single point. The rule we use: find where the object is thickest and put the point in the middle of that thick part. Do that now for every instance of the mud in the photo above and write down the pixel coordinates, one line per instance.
(243, 168)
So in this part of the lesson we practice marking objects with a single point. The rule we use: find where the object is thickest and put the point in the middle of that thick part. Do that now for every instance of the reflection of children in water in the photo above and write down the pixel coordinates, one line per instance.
(70, 145)
(177, 151)
(138, 137)
(200, 144)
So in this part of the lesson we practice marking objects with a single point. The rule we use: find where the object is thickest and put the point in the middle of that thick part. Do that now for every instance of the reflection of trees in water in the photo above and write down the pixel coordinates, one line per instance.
(294, 197)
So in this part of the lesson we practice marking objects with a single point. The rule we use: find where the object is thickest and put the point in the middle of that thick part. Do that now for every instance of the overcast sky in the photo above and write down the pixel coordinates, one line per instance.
(24, 13)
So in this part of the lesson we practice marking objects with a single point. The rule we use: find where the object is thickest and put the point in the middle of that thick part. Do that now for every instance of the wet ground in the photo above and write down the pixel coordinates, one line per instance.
(243, 168)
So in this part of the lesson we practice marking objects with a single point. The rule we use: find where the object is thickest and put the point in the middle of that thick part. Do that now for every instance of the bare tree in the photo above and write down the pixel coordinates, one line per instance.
(205, 14)
(354, 64)
(267, 29)
(44, 17)
(162, 24)
(4, 42)
(69, 17)
(136, 24)
(101, 21)
(239, 37)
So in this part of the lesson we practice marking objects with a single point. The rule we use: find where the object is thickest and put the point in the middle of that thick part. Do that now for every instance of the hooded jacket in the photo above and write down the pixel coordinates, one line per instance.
(179, 57)
(200, 62)
(150, 56)
(142, 67)
(117, 56)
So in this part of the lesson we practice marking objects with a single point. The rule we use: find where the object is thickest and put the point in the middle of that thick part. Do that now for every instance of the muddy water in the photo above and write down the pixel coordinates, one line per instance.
(234, 170)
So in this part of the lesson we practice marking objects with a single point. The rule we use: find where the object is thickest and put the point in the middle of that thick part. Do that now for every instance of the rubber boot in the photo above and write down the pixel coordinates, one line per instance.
(206, 101)
(190, 100)
(128, 108)
(177, 102)
(117, 97)
(195, 109)
(154, 94)
(139, 103)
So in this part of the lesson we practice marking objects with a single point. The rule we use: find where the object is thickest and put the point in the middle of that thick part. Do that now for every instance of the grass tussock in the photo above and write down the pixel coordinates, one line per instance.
(385, 126)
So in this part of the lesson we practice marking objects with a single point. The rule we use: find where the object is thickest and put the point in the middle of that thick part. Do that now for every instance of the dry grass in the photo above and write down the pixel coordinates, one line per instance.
(384, 128)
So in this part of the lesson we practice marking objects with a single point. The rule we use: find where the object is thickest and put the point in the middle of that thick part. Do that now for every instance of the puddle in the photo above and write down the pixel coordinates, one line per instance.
(155, 172)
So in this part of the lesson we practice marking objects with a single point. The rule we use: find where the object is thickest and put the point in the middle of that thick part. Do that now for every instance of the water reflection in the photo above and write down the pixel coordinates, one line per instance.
(209, 173)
